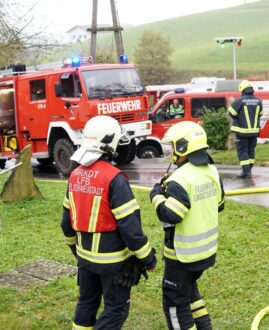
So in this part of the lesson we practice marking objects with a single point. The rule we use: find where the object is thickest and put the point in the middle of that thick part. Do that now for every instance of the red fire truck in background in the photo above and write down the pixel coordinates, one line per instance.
(49, 108)
(200, 94)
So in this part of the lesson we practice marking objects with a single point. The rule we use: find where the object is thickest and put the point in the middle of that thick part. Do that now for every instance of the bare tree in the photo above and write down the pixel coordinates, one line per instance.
(18, 33)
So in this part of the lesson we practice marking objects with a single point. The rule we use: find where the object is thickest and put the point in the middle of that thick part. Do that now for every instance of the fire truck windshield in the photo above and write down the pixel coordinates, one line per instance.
(111, 83)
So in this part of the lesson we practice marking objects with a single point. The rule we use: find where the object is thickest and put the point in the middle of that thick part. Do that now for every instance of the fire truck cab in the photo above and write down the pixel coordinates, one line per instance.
(49, 108)
(215, 95)
(155, 92)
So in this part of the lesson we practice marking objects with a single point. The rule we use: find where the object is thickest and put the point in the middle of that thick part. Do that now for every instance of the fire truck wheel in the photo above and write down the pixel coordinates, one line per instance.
(2, 163)
(126, 153)
(62, 151)
(147, 152)
(45, 161)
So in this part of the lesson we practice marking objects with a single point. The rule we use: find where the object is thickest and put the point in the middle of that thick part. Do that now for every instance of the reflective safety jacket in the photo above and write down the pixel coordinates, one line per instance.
(191, 200)
(89, 185)
(176, 111)
(246, 112)
(101, 218)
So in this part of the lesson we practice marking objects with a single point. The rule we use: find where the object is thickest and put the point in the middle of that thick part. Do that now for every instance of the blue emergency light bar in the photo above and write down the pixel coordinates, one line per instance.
(75, 61)
(123, 59)
(179, 90)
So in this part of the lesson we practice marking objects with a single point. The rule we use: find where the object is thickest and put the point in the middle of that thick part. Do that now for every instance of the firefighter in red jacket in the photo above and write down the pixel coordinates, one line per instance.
(102, 225)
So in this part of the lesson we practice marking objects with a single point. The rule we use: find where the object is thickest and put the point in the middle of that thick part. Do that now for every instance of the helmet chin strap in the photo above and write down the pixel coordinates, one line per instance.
(178, 159)
(175, 158)
(109, 151)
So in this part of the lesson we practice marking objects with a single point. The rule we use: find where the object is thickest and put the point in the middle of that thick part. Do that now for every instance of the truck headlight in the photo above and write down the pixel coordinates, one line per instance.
(147, 126)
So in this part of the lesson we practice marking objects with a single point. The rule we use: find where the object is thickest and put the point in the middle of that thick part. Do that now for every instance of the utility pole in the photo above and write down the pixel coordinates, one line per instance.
(234, 57)
(116, 28)
(94, 30)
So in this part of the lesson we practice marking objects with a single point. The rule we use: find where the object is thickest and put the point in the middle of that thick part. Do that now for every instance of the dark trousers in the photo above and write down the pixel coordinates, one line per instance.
(93, 285)
(246, 152)
(183, 306)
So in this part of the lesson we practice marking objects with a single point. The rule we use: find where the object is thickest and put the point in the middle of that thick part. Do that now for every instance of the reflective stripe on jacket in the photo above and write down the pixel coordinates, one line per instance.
(196, 236)
(246, 112)
(113, 246)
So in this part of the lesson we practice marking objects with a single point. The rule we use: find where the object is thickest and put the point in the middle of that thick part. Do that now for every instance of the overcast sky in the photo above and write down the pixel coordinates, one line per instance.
(69, 13)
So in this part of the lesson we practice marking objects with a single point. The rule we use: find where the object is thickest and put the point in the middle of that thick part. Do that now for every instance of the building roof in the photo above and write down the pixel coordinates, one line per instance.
(82, 27)
(85, 27)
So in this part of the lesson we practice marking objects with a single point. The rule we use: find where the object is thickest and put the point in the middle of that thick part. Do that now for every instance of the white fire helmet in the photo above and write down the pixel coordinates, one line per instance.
(101, 134)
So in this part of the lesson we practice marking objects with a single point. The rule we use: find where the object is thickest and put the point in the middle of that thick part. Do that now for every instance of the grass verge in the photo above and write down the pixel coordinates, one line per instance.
(235, 289)
(230, 157)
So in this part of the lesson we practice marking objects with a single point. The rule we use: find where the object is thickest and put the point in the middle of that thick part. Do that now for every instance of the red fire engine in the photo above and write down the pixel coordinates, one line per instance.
(49, 108)
(199, 95)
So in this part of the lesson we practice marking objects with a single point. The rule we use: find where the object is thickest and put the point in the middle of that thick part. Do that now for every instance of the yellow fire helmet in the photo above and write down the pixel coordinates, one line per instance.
(187, 139)
(243, 85)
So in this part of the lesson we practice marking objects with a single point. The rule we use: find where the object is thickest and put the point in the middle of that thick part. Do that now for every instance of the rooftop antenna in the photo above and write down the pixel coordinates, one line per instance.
(116, 28)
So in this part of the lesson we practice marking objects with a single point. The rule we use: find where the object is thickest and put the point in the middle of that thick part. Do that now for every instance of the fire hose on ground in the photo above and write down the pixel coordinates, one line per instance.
(227, 192)
(259, 317)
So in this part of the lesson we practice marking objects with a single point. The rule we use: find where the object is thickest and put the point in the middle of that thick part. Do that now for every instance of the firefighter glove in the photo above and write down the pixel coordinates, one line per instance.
(132, 271)
(158, 189)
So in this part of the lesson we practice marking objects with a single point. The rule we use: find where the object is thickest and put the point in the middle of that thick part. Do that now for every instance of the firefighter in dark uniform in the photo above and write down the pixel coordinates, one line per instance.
(188, 202)
(246, 112)
(102, 225)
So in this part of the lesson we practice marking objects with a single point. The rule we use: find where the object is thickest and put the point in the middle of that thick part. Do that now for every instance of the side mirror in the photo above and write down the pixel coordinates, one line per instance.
(58, 89)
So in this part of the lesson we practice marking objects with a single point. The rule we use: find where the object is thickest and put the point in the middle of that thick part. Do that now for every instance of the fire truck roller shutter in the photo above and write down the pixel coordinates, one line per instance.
(62, 151)
(7, 114)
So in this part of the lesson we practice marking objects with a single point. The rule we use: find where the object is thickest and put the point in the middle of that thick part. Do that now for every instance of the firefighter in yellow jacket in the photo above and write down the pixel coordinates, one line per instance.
(187, 203)
(102, 225)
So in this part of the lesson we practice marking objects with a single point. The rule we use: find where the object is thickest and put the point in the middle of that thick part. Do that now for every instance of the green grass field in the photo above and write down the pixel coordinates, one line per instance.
(230, 158)
(192, 38)
(235, 289)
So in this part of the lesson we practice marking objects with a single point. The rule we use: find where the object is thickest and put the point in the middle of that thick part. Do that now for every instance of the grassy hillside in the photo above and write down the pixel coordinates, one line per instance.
(192, 38)
(195, 50)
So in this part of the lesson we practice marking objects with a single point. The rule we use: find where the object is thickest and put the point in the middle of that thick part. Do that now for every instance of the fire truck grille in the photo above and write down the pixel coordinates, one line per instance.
(124, 118)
